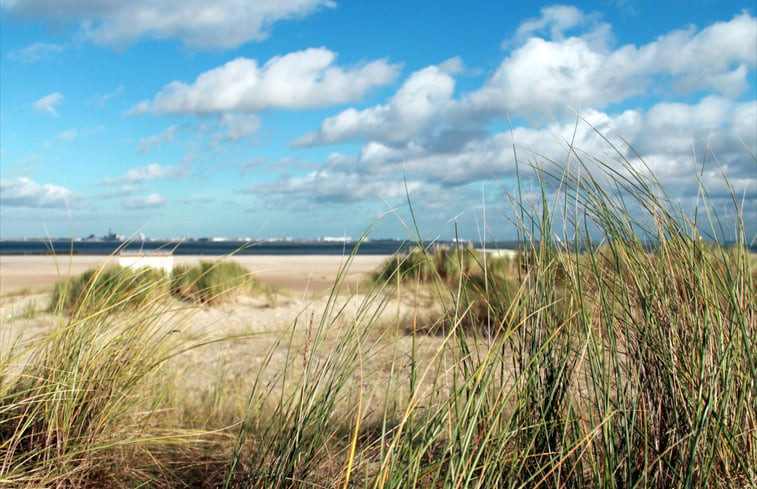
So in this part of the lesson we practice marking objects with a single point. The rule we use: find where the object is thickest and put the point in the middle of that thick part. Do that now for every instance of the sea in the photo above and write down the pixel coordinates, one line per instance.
(227, 247)
(217, 248)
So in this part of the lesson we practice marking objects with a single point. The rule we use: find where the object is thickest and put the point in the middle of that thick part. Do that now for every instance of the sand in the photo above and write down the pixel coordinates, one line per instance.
(300, 273)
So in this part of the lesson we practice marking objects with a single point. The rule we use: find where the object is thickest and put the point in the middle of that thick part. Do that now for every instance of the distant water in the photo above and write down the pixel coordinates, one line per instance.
(220, 248)
(212, 248)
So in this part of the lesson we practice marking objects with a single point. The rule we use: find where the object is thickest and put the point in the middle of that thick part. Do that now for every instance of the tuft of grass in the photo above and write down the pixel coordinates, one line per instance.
(214, 282)
(441, 262)
(483, 286)
(117, 288)
(108, 289)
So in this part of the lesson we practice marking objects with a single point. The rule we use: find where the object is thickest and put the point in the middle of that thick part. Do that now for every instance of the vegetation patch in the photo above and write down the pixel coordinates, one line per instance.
(108, 289)
(114, 288)
(481, 285)
(214, 282)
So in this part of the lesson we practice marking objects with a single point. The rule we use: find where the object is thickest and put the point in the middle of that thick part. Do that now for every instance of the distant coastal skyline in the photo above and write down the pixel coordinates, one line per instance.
(313, 118)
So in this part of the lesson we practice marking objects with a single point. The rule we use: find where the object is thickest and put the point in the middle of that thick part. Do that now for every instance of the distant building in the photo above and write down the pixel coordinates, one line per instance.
(111, 236)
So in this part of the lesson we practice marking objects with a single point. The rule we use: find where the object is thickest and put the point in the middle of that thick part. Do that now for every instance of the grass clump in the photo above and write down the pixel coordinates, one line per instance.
(213, 282)
(482, 284)
(112, 289)
(108, 289)
(441, 262)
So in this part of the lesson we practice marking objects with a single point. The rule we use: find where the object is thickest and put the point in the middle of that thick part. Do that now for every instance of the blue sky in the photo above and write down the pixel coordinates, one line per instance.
(310, 118)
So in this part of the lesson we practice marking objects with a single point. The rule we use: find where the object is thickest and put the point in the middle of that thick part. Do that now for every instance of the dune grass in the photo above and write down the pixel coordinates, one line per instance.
(108, 288)
(631, 364)
(117, 288)
(214, 282)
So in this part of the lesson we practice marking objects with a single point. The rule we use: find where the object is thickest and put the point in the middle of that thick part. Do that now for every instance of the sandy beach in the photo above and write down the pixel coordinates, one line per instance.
(299, 273)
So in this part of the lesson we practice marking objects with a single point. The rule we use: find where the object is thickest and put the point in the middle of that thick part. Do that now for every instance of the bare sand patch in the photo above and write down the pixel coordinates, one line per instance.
(299, 273)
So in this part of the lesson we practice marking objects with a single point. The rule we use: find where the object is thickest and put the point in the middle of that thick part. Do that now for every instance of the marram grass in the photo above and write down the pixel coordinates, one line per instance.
(631, 364)
(111, 289)
(214, 282)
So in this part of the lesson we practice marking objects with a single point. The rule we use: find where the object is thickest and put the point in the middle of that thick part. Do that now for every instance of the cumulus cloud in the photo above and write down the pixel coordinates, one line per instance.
(48, 103)
(23, 192)
(153, 171)
(298, 80)
(35, 52)
(547, 75)
(151, 201)
(199, 23)
(145, 144)
(422, 98)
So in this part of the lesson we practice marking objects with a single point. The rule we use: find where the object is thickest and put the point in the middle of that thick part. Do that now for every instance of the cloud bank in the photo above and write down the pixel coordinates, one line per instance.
(569, 85)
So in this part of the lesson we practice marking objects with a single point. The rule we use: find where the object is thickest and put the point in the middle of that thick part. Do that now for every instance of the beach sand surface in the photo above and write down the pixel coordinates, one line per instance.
(302, 274)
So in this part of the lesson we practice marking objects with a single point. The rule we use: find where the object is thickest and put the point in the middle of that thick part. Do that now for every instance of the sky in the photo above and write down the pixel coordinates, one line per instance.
(310, 118)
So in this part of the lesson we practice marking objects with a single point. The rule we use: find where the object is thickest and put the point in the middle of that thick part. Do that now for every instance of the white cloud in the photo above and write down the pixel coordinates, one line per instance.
(23, 192)
(153, 200)
(545, 76)
(217, 24)
(298, 80)
(153, 171)
(145, 144)
(542, 76)
(715, 49)
(239, 126)
(35, 52)
(374, 154)
(422, 98)
(558, 18)
(48, 103)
